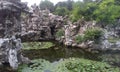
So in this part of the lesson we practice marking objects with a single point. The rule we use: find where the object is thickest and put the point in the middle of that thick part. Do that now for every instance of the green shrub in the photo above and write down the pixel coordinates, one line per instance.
(83, 65)
(79, 38)
(60, 33)
(67, 65)
(93, 34)
(38, 65)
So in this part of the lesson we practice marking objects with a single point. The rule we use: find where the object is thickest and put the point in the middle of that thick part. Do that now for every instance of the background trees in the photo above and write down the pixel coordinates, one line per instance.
(46, 4)
(103, 11)
(107, 11)
(62, 11)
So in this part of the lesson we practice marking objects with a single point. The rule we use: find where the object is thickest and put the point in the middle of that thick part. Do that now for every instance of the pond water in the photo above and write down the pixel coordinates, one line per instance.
(57, 53)
(60, 52)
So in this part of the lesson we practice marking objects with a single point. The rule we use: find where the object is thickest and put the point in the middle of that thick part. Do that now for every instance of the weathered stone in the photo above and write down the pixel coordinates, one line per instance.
(10, 27)
(10, 51)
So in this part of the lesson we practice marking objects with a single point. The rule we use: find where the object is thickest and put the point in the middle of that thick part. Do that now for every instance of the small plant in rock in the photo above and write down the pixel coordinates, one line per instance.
(93, 34)
(60, 33)
(79, 38)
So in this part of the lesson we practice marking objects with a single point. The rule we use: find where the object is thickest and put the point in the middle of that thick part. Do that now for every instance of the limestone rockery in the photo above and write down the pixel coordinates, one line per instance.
(15, 28)
(10, 27)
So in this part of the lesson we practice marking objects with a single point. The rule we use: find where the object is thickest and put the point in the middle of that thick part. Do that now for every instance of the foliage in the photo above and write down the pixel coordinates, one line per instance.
(82, 65)
(93, 34)
(70, 4)
(83, 10)
(107, 12)
(39, 65)
(86, 1)
(61, 4)
(67, 4)
(61, 11)
(67, 65)
(37, 45)
(88, 14)
(60, 33)
(63, 8)
(104, 11)
(79, 38)
(46, 4)
(78, 10)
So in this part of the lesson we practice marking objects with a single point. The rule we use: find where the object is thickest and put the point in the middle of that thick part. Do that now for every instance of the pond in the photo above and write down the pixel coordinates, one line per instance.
(59, 52)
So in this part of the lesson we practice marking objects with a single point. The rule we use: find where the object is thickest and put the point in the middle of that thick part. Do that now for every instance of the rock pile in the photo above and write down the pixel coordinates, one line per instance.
(10, 27)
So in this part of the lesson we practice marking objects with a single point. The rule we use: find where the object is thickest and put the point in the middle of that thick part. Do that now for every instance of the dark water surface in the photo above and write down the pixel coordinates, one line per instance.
(57, 53)
(61, 52)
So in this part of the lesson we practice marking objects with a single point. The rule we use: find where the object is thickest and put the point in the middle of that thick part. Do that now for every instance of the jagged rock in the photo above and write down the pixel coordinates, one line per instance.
(82, 45)
(118, 44)
(40, 25)
(10, 51)
(10, 26)
(74, 44)
(37, 26)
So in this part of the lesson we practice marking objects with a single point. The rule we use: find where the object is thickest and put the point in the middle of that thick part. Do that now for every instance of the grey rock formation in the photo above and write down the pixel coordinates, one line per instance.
(40, 26)
(10, 51)
(10, 27)
(37, 26)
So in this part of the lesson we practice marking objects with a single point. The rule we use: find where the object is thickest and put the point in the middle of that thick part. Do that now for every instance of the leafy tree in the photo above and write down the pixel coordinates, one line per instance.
(78, 10)
(61, 11)
(70, 4)
(86, 1)
(46, 4)
(107, 12)
(67, 4)
(103, 11)
(88, 13)
(83, 10)
(61, 4)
